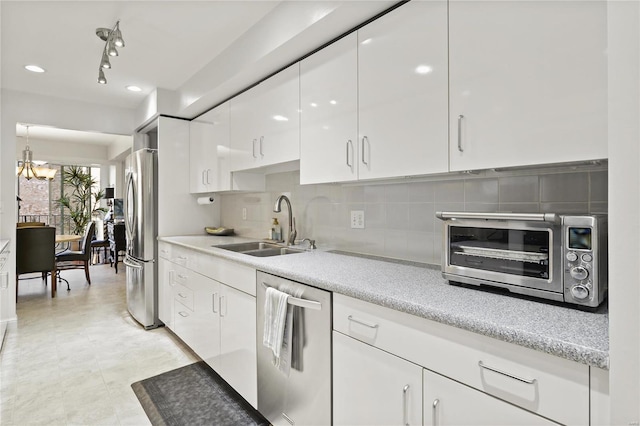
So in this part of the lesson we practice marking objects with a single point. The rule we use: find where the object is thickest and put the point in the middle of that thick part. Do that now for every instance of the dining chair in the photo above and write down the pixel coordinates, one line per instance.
(36, 252)
(97, 244)
(78, 259)
(118, 243)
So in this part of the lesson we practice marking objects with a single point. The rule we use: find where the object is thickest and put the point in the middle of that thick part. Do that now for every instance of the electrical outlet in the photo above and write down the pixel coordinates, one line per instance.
(244, 213)
(357, 219)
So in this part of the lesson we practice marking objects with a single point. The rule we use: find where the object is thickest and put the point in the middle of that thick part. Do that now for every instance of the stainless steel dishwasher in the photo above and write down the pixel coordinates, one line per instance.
(304, 397)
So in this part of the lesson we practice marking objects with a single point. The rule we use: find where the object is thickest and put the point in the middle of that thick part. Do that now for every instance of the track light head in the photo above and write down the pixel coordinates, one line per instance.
(101, 78)
(105, 61)
(111, 50)
(117, 36)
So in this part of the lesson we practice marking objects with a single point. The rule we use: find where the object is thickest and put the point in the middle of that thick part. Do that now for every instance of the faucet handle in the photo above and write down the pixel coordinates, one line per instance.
(312, 243)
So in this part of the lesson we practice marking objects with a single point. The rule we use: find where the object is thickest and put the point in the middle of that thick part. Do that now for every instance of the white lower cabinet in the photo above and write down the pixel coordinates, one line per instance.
(212, 316)
(503, 383)
(165, 292)
(449, 403)
(237, 360)
(373, 387)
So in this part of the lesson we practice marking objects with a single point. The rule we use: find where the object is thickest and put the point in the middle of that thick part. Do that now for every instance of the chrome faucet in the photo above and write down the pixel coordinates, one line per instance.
(291, 238)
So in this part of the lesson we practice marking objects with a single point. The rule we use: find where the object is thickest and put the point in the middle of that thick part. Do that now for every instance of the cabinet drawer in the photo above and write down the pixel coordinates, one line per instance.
(233, 274)
(164, 250)
(184, 295)
(183, 256)
(547, 385)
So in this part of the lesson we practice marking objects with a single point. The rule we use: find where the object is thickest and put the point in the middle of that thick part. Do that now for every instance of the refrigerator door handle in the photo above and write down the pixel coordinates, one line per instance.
(130, 217)
(131, 263)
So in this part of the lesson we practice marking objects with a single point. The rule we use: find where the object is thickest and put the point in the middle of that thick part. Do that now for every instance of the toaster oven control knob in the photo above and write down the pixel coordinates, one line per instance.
(579, 273)
(572, 257)
(580, 292)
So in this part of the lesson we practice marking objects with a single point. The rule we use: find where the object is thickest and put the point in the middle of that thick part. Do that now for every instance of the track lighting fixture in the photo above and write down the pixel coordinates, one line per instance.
(112, 38)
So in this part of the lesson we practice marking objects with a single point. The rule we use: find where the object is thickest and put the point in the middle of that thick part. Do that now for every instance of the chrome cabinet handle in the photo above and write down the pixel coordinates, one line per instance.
(182, 277)
(214, 302)
(223, 304)
(208, 171)
(434, 412)
(261, 139)
(405, 406)
(495, 370)
(365, 141)
(253, 148)
(349, 143)
(460, 117)
(183, 314)
(203, 179)
(182, 295)
(366, 324)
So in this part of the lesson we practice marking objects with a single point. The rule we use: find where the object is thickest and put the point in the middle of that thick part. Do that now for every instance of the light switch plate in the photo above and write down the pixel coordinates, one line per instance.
(357, 219)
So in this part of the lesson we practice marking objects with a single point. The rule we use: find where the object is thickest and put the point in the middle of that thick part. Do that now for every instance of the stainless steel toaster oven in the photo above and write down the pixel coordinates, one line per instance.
(560, 257)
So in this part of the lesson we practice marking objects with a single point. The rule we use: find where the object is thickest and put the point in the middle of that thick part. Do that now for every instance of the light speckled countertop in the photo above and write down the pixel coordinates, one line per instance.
(565, 332)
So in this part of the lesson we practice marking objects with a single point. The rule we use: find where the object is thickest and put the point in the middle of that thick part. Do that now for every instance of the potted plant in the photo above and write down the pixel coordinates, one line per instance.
(79, 201)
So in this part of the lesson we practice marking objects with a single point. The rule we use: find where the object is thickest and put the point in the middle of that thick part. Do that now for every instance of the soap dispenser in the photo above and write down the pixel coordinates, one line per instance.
(276, 230)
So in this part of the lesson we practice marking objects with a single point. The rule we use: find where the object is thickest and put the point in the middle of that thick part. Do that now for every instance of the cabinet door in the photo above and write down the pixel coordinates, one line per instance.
(206, 319)
(277, 103)
(403, 92)
(447, 402)
(243, 131)
(237, 362)
(373, 387)
(328, 118)
(165, 292)
(536, 92)
(265, 124)
(208, 151)
(199, 135)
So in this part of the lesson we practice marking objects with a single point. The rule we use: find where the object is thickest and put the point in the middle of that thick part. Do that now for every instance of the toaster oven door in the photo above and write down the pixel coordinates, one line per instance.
(520, 254)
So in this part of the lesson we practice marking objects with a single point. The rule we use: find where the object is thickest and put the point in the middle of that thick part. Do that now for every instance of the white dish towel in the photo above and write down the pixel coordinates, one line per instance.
(275, 320)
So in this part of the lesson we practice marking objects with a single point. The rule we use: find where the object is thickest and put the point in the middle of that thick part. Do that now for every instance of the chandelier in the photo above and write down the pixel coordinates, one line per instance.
(112, 39)
(28, 168)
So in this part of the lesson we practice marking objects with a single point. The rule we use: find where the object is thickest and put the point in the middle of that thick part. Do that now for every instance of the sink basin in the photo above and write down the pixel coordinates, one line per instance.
(252, 245)
(259, 249)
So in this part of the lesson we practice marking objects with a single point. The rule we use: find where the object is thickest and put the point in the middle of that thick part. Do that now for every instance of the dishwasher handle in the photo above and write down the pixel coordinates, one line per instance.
(303, 303)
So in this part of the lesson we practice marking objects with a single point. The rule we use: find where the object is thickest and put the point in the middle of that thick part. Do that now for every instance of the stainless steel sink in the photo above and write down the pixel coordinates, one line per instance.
(259, 249)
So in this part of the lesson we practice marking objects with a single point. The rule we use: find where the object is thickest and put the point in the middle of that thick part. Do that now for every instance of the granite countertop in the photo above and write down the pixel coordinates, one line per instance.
(420, 290)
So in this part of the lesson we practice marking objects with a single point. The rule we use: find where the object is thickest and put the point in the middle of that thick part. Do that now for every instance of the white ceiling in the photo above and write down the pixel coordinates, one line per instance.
(166, 42)
(174, 45)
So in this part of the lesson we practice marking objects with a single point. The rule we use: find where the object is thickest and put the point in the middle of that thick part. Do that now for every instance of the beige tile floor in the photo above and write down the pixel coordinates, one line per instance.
(71, 360)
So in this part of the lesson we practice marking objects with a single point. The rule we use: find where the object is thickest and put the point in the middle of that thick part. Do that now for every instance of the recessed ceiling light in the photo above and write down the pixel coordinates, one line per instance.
(34, 68)
(134, 89)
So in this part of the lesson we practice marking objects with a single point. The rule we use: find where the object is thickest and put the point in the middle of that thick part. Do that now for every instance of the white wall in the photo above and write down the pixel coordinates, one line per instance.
(19, 107)
(624, 210)
(59, 152)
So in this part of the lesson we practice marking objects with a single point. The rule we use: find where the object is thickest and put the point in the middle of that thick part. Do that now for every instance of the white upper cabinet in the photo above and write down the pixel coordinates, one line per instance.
(265, 124)
(208, 151)
(402, 92)
(528, 82)
(329, 113)
(386, 83)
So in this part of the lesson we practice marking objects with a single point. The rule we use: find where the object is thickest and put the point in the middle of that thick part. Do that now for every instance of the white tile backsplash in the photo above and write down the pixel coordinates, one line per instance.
(400, 216)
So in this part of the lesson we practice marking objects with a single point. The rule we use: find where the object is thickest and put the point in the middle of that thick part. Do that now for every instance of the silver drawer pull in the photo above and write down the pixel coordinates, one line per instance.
(520, 379)
(182, 295)
(405, 406)
(182, 277)
(434, 412)
(183, 314)
(366, 324)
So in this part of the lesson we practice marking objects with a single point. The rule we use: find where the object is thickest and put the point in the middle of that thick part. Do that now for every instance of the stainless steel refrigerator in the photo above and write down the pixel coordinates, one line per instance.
(140, 211)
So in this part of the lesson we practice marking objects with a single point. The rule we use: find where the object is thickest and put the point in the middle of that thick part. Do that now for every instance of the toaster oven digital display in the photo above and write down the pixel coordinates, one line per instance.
(580, 238)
